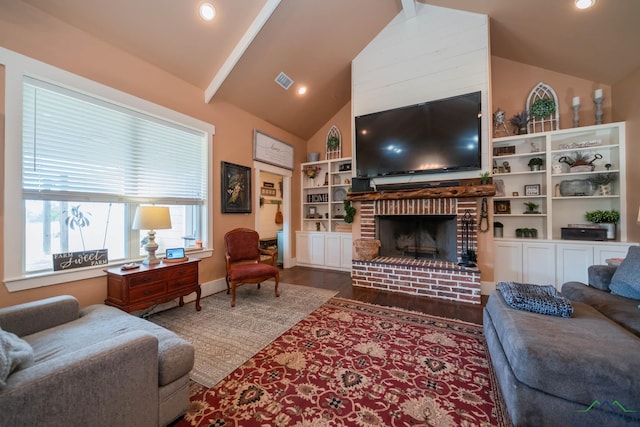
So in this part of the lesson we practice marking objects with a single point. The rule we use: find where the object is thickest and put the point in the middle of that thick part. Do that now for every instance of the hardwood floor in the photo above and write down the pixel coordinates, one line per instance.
(341, 282)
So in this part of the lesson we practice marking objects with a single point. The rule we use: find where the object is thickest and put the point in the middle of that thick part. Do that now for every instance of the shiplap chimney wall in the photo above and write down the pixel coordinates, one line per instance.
(436, 54)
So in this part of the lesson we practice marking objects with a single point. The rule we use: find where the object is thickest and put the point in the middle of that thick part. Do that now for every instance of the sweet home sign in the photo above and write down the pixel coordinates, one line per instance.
(69, 260)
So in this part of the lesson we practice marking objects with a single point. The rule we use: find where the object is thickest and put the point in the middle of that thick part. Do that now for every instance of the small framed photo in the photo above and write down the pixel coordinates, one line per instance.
(312, 212)
(515, 194)
(502, 206)
(532, 190)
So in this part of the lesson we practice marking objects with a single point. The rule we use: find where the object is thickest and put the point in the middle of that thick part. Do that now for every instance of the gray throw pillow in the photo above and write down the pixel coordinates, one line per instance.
(15, 354)
(626, 280)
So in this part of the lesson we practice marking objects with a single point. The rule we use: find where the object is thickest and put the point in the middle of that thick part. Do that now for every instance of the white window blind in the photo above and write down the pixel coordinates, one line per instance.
(81, 148)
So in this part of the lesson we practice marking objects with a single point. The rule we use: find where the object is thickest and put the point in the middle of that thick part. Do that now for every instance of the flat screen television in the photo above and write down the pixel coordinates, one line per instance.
(431, 137)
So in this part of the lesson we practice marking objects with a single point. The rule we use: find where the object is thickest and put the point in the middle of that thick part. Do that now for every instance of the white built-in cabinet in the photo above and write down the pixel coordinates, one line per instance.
(324, 250)
(516, 182)
(549, 262)
(325, 238)
(548, 259)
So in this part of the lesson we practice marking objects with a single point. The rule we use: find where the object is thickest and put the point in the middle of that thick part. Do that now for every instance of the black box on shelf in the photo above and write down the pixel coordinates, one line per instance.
(344, 167)
(575, 233)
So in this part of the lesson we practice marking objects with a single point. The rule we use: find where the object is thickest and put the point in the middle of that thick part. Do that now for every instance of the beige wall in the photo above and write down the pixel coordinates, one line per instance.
(342, 120)
(627, 108)
(28, 31)
(512, 81)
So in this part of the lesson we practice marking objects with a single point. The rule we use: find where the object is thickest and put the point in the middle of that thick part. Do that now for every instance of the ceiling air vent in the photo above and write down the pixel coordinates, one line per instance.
(284, 80)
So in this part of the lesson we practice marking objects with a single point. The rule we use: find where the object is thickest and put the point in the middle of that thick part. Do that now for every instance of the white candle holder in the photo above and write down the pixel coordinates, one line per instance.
(598, 102)
(576, 115)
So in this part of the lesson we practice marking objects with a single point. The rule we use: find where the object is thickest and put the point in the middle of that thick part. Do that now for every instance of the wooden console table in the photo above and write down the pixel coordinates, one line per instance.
(142, 287)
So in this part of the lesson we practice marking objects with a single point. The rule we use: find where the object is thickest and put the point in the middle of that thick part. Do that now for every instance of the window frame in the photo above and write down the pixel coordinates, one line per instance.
(16, 66)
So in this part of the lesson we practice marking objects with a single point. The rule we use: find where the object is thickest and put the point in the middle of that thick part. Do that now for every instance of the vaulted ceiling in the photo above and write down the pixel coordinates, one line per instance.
(237, 56)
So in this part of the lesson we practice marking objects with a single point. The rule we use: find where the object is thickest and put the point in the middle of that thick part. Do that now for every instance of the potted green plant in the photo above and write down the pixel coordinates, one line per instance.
(606, 219)
(520, 121)
(535, 163)
(543, 107)
(485, 177)
(602, 181)
(532, 208)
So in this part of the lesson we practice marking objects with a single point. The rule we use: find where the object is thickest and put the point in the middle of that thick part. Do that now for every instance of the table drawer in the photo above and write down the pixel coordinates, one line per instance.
(147, 291)
(182, 282)
(182, 271)
(145, 279)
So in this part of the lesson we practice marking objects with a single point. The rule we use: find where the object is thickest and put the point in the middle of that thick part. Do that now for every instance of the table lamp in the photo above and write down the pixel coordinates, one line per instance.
(151, 218)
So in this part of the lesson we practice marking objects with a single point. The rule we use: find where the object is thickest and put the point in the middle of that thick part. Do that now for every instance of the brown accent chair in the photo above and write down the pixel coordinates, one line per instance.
(243, 255)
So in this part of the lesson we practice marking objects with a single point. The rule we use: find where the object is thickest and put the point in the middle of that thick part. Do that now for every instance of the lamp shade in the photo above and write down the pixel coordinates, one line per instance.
(151, 218)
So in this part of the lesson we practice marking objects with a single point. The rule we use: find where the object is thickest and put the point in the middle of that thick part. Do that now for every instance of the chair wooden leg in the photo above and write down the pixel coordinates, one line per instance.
(226, 278)
(277, 280)
(233, 294)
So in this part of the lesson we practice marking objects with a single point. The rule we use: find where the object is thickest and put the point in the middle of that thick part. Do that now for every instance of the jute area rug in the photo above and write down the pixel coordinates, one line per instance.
(358, 365)
(225, 337)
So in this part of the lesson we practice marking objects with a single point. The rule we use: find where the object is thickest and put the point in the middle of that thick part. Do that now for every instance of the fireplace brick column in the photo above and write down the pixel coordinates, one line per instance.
(421, 277)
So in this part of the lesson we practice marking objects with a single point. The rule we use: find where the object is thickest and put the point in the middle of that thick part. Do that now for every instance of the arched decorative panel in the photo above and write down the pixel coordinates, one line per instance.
(549, 122)
(334, 143)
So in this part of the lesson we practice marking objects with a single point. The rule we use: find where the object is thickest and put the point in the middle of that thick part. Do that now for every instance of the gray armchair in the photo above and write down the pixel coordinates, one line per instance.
(98, 366)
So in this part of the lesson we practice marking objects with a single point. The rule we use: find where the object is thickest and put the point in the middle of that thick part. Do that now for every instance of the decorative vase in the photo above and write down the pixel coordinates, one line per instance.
(604, 190)
(497, 231)
(611, 230)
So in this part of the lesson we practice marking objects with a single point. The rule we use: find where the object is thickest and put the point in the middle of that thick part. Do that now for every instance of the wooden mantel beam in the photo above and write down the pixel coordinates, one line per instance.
(426, 193)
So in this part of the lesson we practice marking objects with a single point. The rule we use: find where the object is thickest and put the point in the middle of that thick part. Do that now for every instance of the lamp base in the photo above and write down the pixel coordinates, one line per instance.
(151, 247)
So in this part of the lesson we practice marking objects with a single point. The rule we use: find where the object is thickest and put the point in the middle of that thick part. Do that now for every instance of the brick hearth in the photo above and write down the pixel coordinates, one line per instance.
(437, 279)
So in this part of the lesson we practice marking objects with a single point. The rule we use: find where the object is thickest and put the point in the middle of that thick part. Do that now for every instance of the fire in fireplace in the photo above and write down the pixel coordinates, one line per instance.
(418, 236)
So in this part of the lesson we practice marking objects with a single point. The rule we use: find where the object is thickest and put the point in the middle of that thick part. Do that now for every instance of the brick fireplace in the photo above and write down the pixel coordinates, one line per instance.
(426, 276)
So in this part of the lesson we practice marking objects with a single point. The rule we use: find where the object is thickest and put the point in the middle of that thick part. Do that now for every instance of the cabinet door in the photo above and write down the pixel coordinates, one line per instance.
(601, 253)
(303, 248)
(333, 250)
(317, 248)
(345, 254)
(508, 262)
(573, 262)
(539, 263)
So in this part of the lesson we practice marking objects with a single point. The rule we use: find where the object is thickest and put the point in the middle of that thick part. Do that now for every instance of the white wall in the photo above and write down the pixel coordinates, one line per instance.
(437, 54)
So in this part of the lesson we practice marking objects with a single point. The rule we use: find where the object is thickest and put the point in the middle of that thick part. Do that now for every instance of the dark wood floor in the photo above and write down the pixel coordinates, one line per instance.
(341, 282)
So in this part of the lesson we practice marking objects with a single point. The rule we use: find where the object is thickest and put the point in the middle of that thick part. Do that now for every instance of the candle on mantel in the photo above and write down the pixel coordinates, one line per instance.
(598, 94)
(576, 101)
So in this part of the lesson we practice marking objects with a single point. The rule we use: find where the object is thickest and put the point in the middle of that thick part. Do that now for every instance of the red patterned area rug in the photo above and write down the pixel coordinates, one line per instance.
(355, 364)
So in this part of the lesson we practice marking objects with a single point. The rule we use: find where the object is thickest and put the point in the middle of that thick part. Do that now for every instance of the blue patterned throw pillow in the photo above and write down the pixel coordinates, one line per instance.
(535, 298)
(626, 280)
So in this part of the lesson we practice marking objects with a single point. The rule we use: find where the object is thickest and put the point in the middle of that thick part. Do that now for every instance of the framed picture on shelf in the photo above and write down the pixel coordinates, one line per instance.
(499, 187)
(515, 194)
(532, 190)
(236, 188)
(502, 206)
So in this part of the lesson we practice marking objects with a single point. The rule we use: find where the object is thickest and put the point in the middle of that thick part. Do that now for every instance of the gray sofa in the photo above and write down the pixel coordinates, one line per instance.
(98, 366)
(582, 370)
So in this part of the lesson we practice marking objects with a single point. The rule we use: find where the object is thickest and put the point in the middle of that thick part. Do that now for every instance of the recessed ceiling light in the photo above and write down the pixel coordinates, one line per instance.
(302, 90)
(207, 11)
(584, 4)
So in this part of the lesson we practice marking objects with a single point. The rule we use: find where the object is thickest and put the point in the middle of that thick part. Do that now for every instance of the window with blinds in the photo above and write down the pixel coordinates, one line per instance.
(84, 154)
(80, 148)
